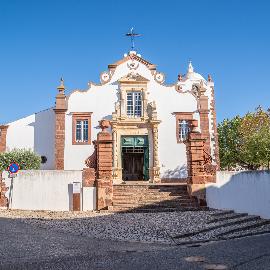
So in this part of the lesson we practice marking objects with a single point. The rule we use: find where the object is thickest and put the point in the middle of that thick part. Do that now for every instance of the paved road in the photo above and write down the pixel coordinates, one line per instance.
(23, 246)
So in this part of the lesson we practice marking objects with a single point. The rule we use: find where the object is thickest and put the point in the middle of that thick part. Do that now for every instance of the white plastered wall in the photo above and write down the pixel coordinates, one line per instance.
(100, 99)
(47, 190)
(243, 192)
(35, 132)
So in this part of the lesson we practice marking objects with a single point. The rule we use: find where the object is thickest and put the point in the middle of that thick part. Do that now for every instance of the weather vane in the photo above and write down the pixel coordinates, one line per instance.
(132, 36)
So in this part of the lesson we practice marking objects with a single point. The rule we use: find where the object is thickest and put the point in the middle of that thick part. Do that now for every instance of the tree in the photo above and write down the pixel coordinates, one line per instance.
(27, 159)
(245, 141)
(255, 133)
(229, 143)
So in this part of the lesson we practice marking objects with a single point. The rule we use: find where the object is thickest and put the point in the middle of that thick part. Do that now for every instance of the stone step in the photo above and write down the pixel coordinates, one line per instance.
(153, 189)
(151, 205)
(151, 193)
(144, 200)
(149, 196)
(244, 227)
(255, 230)
(229, 216)
(162, 188)
(220, 225)
(222, 213)
(153, 210)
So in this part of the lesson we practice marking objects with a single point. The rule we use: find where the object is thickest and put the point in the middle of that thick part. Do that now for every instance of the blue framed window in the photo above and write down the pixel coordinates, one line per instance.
(134, 104)
(184, 130)
(82, 131)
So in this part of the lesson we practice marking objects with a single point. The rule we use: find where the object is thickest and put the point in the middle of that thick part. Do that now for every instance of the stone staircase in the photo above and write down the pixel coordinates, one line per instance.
(144, 197)
(225, 225)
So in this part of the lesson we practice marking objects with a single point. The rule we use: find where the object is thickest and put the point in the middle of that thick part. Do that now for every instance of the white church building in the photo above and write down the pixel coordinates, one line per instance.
(149, 121)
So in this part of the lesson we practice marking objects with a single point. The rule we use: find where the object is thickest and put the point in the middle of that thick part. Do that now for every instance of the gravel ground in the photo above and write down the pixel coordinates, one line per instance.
(138, 227)
(143, 227)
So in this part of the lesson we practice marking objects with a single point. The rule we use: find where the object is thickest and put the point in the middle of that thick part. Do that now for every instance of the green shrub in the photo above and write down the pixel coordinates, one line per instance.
(27, 159)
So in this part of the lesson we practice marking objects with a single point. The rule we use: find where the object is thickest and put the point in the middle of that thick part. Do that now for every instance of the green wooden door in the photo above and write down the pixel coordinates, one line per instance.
(138, 142)
(146, 163)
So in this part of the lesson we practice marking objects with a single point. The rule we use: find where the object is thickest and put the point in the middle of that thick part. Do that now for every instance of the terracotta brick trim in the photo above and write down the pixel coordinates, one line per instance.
(3, 190)
(188, 116)
(214, 129)
(76, 116)
(3, 138)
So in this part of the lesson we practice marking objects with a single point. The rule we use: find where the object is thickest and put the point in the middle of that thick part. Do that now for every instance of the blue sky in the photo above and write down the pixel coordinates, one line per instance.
(44, 40)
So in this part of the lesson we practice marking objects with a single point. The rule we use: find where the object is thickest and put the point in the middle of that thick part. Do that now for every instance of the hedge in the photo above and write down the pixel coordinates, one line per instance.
(27, 159)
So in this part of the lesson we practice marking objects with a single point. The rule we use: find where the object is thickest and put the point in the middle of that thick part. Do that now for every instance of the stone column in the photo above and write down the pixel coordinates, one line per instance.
(60, 116)
(104, 168)
(155, 170)
(3, 138)
(116, 170)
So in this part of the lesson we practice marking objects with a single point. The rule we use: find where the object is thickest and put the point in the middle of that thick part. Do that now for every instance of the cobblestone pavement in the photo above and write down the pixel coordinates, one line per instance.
(166, 228)
(141, 227)
(26, 245)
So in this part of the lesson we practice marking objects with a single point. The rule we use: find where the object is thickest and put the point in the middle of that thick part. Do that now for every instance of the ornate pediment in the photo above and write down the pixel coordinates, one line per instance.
(133, 78)
(133, 56)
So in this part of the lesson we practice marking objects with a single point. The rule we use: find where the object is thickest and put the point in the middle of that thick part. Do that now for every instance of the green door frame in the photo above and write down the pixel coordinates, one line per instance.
(138, 141)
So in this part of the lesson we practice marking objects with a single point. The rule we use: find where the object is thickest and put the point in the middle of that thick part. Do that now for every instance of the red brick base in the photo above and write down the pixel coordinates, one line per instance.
(104, 170)
(198, 167)
(99, 171)
(3, 137)
(3, 190)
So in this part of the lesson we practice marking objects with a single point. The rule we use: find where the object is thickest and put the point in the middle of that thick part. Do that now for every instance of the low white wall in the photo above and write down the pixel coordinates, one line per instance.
(247, 192)
(47, 190)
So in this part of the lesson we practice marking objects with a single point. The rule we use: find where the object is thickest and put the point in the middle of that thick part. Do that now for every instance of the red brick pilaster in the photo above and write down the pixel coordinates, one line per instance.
(3, 190)
(104, 182)
(60, 115)
(213, 111)
(195, 158)
(204, 121)
(200, 169)
(3, 138)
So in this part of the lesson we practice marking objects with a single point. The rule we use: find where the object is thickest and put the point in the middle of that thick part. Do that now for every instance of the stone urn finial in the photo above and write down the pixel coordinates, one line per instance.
(61, 87)
(104, 124)
(194, 125)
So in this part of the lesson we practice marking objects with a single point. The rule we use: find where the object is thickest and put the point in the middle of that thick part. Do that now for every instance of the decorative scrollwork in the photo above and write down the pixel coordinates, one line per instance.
(91, 162)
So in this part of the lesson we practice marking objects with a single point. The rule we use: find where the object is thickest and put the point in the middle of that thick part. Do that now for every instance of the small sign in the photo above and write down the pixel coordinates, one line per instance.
(76, 196)
(76, 187)
(13, 168)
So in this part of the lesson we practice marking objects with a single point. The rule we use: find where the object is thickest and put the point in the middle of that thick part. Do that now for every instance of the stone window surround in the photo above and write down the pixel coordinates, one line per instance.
(81, 116)
(188, 116)
(134, 96)
(123, 101)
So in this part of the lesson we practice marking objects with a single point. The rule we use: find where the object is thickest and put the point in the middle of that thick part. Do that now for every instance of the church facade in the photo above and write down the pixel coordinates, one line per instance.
(150, 124)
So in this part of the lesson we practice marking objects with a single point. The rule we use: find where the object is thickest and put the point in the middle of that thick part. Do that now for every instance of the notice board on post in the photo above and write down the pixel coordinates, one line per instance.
(76, 196)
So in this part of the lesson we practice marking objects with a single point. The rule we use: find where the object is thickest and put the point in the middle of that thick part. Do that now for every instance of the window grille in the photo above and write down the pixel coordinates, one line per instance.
(131, 149)
(184, 130)
(134, 104)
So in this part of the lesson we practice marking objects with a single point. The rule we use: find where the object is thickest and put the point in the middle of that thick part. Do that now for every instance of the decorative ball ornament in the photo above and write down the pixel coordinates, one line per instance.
(105, 77)
(159, 77)
(132, 65)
